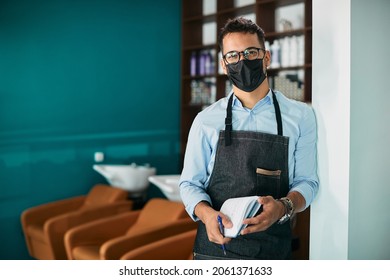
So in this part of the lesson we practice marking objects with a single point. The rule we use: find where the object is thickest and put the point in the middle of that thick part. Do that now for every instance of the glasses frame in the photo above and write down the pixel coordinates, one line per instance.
(244, 55)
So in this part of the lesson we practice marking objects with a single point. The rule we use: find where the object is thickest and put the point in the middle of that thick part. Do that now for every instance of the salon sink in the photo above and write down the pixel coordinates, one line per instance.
(168, 184)
(132, 178)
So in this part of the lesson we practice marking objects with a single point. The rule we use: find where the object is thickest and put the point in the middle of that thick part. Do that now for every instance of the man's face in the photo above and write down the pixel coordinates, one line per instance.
(239, 42)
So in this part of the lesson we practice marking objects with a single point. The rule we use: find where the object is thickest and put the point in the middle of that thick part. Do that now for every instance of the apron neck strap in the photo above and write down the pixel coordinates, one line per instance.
(229, 119)
(228, 122)
(277, 114)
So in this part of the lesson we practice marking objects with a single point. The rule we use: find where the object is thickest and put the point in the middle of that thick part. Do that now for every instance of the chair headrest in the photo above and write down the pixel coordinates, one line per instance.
(104, 194)
(156, 212)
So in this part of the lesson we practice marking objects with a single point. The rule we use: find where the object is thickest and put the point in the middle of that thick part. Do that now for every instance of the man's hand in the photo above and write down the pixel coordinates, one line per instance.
(273, 210)
(209, 217)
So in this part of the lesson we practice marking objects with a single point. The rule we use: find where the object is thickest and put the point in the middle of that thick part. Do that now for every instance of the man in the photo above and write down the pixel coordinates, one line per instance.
(253, 142)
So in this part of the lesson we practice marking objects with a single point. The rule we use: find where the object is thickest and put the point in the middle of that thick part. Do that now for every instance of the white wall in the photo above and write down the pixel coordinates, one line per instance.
(331, 99)
(350, 217)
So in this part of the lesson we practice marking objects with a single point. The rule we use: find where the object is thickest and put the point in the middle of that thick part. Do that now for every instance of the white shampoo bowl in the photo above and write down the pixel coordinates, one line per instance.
(131, 178)
(168, 184)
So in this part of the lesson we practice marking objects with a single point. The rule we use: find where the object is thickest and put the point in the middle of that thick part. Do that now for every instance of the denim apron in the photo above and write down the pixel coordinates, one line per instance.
(248, 163)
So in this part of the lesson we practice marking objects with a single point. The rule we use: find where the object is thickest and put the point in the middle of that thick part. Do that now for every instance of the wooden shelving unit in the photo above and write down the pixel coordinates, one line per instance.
(195, 22)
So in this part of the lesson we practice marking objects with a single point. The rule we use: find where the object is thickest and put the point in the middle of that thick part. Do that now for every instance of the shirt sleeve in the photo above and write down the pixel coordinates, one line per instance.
(305, 173)
(194, 175)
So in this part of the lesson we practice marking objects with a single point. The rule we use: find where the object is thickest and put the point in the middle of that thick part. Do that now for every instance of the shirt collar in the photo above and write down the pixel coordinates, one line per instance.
(265, 100)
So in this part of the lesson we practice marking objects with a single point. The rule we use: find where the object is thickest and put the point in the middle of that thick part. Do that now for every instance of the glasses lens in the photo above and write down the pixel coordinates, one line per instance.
(232, 57)
(251, 53)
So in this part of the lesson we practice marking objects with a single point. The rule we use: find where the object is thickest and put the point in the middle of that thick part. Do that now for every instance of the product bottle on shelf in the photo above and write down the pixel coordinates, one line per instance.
(210, 66)
(285, 52)
(194, 91)
(202, 62)
(213, 93)
(301, 50)
(275, 54)
(193, 63)
(293, 51)
(207, 63)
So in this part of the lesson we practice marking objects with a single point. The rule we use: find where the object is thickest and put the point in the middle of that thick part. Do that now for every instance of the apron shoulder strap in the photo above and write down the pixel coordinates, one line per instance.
(278, 114)
(228, 122)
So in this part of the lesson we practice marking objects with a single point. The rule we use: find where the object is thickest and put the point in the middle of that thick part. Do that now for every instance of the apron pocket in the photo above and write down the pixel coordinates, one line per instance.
(268, 182)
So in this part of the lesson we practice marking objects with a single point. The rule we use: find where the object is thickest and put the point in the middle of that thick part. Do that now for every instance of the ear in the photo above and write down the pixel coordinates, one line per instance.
(267, 59)
(223, 65)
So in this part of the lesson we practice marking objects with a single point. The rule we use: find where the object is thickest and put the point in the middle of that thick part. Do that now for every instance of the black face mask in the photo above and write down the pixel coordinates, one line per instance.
(247, 75)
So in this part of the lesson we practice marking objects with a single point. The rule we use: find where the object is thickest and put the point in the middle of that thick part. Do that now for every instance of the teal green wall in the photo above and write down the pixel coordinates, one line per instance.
(369, 192)
(78, 77)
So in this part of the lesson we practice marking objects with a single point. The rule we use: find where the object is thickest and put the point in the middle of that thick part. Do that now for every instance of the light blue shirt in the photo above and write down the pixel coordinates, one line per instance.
(299, 125)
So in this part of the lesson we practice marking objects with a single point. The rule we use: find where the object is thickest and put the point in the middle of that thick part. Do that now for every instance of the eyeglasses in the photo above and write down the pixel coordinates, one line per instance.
(234, 57)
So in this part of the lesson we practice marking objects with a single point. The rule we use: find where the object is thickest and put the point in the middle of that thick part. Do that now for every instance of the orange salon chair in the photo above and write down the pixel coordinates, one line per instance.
(112, 237)
(175, 247)
(44, 226)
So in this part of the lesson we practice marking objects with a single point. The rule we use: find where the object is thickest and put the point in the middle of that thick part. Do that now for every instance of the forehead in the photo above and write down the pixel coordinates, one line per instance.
(239, 41)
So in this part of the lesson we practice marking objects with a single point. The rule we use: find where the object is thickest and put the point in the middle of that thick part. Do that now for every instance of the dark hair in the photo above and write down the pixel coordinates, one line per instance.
(241, 25)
